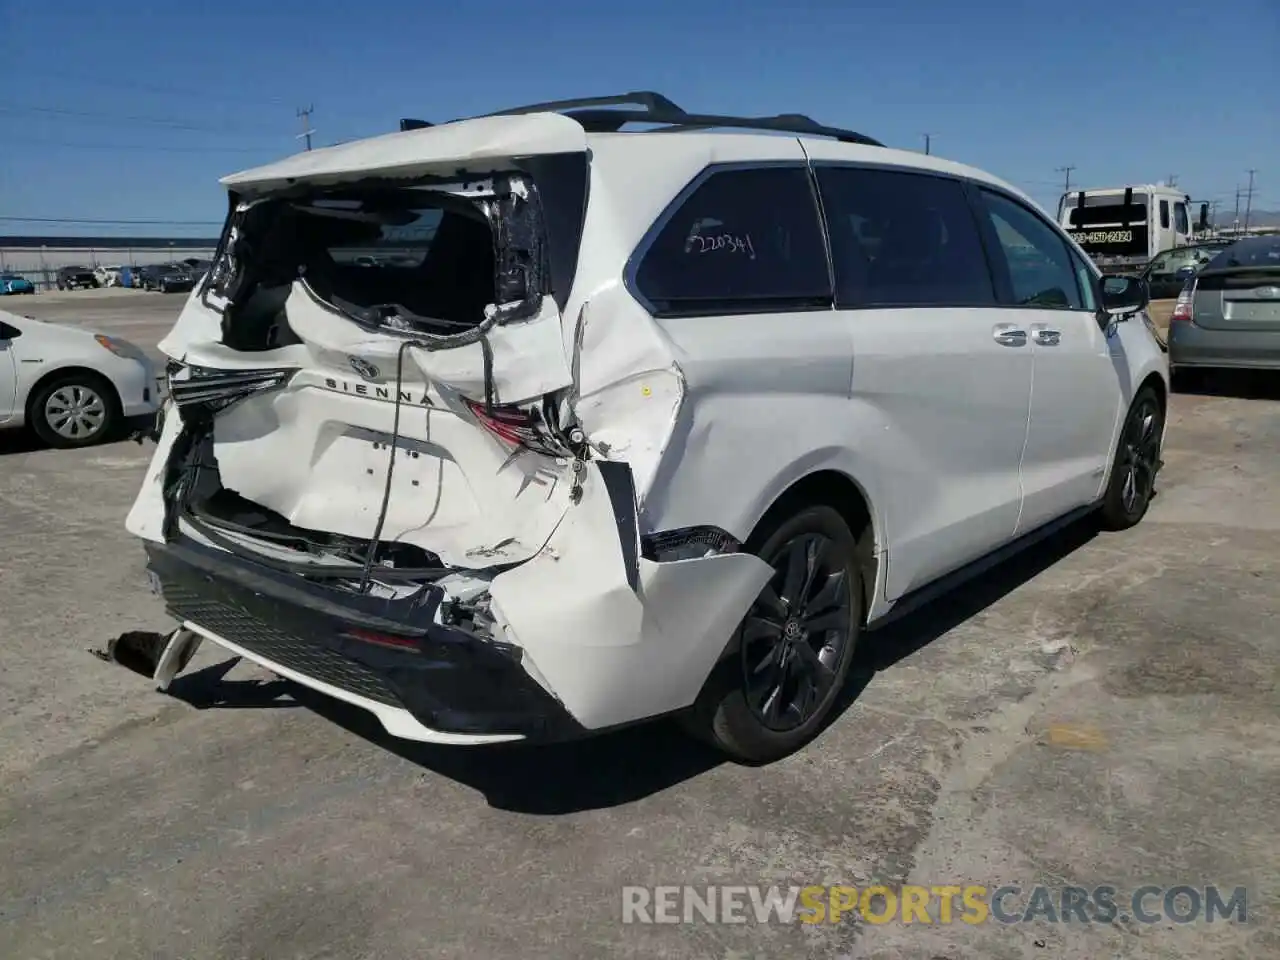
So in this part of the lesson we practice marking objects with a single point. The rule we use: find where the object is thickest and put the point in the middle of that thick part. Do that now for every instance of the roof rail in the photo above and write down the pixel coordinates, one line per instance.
(596, 117)
(652, 102)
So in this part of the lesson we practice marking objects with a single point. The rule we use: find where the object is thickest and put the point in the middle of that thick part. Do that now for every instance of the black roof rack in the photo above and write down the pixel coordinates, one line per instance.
(596, 116)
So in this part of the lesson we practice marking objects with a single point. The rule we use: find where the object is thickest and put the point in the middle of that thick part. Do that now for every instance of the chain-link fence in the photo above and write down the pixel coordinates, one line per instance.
(41, 264)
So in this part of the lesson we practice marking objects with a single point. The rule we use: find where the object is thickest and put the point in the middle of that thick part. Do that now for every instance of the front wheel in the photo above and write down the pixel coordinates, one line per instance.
(1137, 461)
(794, 647)
(77, 410)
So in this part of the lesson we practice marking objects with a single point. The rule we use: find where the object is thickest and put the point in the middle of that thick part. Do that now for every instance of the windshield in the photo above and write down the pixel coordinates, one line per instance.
(1251, 252)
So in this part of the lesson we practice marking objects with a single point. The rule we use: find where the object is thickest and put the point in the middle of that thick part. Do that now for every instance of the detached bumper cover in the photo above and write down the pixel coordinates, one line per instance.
(449, 680)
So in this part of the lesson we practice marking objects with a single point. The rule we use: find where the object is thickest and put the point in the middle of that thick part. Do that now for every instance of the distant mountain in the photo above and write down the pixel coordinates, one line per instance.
(1257, 218)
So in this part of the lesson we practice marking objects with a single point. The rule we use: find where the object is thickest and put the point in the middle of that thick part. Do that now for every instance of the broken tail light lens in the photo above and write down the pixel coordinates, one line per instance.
(517, 427)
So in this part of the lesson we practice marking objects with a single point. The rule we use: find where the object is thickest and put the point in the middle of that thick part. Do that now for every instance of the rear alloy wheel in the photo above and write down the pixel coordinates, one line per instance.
(1137, 461)
(794, 647)
(75, 411)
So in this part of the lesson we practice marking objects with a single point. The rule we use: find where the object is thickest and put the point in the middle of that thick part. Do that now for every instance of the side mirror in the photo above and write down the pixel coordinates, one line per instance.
(1204, 218)
(1123, 296)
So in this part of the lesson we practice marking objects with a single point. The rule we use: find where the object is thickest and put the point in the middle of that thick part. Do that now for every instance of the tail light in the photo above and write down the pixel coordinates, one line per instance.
(1182, 308)
(519, 427)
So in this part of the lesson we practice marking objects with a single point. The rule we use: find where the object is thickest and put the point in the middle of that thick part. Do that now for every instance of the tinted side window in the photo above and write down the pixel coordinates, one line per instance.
(902, 239)
(743, 240)
(1180, 222)
(1164, 214)
(1041, 273)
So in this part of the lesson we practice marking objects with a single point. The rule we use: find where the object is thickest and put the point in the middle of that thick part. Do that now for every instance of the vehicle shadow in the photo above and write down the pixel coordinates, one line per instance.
(25, 441)
(629, 764)
(1239, 384)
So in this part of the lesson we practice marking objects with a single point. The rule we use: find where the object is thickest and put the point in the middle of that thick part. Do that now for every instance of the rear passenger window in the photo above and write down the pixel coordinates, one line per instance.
(1040, 271)
(902, 240)
(744, 240)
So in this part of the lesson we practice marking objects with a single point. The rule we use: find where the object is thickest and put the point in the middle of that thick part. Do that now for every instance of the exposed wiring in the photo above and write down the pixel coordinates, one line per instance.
(480, 333)
(376, 539)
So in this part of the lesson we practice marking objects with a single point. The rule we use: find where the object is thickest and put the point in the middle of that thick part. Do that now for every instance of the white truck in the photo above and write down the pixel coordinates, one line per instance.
(1123, 228)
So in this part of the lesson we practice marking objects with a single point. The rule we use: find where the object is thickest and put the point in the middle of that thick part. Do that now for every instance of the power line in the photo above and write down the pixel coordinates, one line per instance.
(169, 123)
(1248, 203)
(210, 93)
(136, 146)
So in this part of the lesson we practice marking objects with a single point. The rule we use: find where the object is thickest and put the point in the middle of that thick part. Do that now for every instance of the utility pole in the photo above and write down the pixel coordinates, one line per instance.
(1066, 186)
(304, 115)
(1235, 223)
(1173, 180)
(928, 143)
(1248, 202)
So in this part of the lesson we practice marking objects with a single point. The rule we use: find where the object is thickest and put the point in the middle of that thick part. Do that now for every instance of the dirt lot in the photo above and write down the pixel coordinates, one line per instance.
(1101, 711)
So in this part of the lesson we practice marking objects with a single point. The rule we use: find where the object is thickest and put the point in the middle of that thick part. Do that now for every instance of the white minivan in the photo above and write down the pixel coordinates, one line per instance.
(525, 426)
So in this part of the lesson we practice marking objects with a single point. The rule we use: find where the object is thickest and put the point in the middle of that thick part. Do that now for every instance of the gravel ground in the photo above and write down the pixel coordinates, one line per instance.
(1102, 710)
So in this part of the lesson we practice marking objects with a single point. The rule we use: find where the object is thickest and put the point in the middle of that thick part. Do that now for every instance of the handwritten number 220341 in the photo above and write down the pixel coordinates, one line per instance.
(722, 241)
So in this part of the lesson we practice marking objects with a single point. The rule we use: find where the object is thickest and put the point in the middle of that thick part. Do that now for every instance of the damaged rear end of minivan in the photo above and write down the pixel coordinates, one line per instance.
(371, 476)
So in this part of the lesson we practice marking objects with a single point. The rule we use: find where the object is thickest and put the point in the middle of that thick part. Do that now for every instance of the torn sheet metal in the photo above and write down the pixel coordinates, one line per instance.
(589, 636)
(146, 516)
(628, 389)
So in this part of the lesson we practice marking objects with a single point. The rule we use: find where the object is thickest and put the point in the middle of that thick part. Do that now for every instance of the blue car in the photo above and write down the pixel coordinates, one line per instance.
(12, 283)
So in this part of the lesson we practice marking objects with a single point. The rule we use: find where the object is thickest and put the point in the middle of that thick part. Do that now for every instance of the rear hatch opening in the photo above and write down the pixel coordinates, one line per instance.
(372, 383)
(434, 260)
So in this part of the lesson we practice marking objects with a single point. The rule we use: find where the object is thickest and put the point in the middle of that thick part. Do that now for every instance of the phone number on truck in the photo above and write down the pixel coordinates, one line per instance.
(1102, 236)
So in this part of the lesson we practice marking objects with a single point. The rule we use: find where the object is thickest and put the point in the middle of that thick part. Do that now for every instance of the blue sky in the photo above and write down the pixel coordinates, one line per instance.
(132, 111)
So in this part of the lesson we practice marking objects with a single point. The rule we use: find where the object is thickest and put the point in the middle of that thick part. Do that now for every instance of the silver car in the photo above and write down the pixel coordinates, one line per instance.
(1228, 315)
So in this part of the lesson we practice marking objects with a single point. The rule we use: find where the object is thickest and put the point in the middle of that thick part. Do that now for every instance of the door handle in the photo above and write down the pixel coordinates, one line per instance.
(1048, 338)
(1009, 335)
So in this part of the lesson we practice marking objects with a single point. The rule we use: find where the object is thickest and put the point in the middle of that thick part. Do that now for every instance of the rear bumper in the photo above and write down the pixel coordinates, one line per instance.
(424, 681)
(1193, 346)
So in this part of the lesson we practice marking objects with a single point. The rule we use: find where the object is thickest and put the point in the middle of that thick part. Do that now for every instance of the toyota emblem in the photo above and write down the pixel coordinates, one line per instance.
(366, 369)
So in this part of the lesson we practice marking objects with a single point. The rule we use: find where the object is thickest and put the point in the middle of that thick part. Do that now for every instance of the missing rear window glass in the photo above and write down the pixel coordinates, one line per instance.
(424, 260)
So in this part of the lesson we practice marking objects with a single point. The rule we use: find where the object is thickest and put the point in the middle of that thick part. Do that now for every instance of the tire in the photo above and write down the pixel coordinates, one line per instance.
(774, 692)
(92, 396)
(1136, 461)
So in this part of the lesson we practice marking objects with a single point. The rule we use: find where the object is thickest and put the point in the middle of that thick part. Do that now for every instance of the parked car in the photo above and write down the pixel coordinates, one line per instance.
(1166, 273)
(107, 276)
(70, 386)
(131, 276)
(1228, 314)
(13, 283)
(196, 267)
(667, 445)
(167, 278)
(73, 278)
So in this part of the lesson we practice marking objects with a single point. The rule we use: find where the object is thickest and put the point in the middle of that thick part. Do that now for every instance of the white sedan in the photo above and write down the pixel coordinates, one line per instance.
(71, 386)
